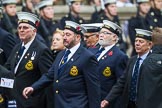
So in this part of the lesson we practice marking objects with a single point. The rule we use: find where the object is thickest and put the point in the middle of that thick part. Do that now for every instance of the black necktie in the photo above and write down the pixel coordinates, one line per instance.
(99, 52)
(133, 86)
(65, 57)
(21, 50)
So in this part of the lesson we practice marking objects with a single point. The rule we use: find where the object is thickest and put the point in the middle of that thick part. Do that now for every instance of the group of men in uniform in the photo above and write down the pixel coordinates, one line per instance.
(82, 77)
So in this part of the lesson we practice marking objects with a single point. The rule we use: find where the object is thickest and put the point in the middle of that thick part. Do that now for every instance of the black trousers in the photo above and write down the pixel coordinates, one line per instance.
(132, 104)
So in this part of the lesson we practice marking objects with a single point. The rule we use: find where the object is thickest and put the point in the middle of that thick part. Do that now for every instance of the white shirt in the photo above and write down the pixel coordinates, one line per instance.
(107, 48)
(25, 50)
(72, 51)
(143, 57)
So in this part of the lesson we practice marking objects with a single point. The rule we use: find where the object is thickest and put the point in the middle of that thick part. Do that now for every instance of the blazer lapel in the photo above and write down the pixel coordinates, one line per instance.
(109, 53)
(72, 60)
(13, 64)
(57, 62)
(27, 56)
(131, 70)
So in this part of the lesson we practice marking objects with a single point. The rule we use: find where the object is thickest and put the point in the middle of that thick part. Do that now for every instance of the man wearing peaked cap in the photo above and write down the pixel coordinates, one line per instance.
(150, 82)
(143, 7)
(28, 61)
(113, 27)
(9, 19)
(76, 28)
(47, 23)
(73, 15)
(111, 15)
(145, 34)
(128, 84)
(112, 61)
(92, 34)
(29, 18)
(74, 74)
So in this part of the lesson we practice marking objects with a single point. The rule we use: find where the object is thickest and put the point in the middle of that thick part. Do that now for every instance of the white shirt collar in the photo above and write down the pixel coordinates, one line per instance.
(73, 50)
(107, 48)
(144, 56)
(28, 44)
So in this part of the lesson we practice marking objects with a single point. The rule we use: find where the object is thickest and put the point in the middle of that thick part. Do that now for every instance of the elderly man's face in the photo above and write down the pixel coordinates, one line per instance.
(106, 37)
(142, 45)
(91, 39)
(26, 32)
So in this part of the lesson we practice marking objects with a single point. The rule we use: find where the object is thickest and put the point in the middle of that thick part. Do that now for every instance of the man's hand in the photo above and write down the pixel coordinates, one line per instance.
(27, 92)
(104, 103)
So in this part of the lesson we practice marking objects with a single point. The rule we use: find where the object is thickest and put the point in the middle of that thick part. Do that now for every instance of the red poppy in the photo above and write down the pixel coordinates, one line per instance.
(78, 28)
(37, 23)
(110, 53)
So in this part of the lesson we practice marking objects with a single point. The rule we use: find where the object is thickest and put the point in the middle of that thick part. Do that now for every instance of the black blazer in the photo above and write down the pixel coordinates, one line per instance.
(29, 71)
(7, 42)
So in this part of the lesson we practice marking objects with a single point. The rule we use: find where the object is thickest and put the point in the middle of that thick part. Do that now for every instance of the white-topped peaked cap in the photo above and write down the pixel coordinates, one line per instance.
(26, 17)
(112, 27)
(92, 27)
(142, 1)
(109, 2)
(145, 34)
(70, 1)
(44, 3)
(75, 0)
(75, 27)
(9, 2)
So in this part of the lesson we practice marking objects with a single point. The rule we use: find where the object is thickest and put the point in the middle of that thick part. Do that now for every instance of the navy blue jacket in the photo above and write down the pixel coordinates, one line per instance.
(77, 86)
(111, 67)
(7, 42)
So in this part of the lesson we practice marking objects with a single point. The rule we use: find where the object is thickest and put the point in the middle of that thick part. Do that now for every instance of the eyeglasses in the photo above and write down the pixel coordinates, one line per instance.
(105, 33)
(23, 27)
(87, 36)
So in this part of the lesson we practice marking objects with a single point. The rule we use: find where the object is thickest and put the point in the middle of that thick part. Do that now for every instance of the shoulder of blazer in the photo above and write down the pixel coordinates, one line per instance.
(37, 43)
